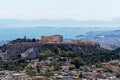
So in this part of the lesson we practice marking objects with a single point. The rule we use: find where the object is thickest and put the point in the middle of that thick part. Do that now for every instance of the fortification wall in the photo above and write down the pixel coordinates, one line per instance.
(52, 39)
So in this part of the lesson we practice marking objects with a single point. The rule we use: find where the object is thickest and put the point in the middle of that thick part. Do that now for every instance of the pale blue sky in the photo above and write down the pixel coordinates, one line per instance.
(60, 9)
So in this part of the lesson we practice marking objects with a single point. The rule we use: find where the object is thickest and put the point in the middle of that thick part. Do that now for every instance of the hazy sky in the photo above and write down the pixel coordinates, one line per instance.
(60, 9)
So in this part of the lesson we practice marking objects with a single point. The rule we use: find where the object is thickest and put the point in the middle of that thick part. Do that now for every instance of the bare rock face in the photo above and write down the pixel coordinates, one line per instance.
(30, 53)
(14, 50)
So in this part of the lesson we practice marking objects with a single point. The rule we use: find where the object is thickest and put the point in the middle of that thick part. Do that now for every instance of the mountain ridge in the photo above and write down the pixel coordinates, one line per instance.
(108, 39)
(60, 23)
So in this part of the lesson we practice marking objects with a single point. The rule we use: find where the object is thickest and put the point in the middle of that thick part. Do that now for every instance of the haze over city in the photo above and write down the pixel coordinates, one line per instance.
(60, 9)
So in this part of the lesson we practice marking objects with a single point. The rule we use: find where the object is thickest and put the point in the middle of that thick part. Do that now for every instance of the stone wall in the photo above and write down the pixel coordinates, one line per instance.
(52, 39)
(84, 42)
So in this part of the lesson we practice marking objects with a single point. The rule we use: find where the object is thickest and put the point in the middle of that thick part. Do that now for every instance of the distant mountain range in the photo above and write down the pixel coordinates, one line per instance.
(107, 39)
(59, 23)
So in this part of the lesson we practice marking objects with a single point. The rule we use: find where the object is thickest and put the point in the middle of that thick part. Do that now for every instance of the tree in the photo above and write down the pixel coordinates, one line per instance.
(98, 65)
(72, 67)
(31, 73)
(34, 40)
(0, 58)
(118, 75)
(48, 52)
(108, 70)
(80, 75)
(3, 48)
(78, 61)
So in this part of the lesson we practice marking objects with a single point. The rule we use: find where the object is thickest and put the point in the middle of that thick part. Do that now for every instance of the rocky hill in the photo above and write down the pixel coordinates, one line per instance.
(33, 49)
(90, 52)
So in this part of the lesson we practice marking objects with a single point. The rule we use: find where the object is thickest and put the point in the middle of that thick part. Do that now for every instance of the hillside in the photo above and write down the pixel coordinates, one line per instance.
(107, 39)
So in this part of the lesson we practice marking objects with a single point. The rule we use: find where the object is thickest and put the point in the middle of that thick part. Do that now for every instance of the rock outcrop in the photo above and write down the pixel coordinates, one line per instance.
(30, 53)
(14, 50)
